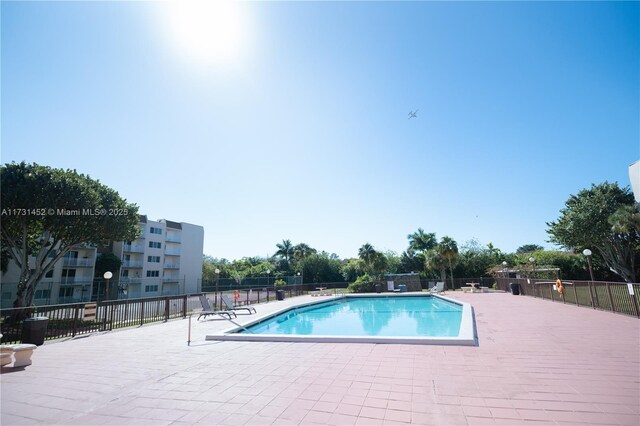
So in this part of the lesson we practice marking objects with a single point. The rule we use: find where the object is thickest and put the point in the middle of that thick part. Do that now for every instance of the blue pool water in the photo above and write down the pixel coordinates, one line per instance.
(368, 316)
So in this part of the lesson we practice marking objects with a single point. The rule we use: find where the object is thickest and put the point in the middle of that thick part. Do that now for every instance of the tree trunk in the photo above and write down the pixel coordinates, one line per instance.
(451, 271)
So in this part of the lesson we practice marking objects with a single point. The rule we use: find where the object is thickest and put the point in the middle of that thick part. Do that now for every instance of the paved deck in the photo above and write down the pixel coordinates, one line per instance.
(537, 363)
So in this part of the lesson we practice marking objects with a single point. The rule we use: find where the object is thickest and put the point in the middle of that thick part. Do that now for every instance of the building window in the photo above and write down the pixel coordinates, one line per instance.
(150, 288)
(154, 259)
(155, 244)
(42, 294)
(155, 230)
(68, 276)
(65, 292)
(153, 273)
(125, 273)
(49, 274)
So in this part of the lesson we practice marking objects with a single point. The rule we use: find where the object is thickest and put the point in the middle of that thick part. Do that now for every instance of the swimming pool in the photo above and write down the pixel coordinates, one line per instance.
(370, 316)
(377, 318)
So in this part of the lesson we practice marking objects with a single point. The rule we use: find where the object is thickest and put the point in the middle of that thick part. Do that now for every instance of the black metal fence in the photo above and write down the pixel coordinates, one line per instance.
(73, 319)
(608, 296)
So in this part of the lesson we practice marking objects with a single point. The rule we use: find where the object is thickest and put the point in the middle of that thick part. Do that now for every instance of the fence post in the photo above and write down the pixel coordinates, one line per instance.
(142, 313)
(111, 317)
(610, 298)
(635, 304)
(591, 295)
(104, 317)
(184, 306)
(551, 291)
(575, 293)
(76, 312)
(166, 310)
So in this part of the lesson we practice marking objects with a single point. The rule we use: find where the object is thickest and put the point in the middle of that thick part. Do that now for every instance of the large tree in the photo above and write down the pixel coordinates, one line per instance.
(47, 211)
(421, 241)
(529, 248)
(448, 249)
(602, 219)
(285, 250)
(302, 250)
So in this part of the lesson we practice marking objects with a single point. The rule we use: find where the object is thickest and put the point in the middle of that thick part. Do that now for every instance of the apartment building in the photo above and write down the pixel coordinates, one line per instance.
(70, 280)
(165, 259)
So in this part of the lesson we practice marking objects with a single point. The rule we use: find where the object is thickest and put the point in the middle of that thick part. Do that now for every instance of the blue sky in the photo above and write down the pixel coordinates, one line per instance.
(292, 124)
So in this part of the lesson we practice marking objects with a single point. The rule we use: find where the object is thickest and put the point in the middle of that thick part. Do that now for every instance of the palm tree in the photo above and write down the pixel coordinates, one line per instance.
(367, 253)
(285, 250)
(433, 259)
(448, 249)
(421, 241)
(302, 250)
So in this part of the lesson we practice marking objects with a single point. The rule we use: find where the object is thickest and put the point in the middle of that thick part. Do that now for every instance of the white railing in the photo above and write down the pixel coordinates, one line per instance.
(171, 266)
(132, 264)
(172, 252)
(71, 261)
(134, 248)
(173, 238)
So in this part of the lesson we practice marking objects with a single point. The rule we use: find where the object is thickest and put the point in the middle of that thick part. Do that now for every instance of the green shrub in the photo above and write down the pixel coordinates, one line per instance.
(280, 283)
(363, 284)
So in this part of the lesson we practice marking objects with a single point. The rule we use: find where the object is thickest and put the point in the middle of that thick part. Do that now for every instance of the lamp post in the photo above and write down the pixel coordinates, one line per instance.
(299, 281)
(217, 271)
(107, 276)
(505, 272)
(587, 254)
(268, 272)
(533, 264)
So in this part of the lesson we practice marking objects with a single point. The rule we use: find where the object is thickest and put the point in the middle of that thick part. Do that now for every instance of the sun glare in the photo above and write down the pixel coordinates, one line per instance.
(207, 32)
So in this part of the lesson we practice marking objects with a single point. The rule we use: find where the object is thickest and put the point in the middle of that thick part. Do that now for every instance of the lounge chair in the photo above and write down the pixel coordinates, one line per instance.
(232, 307)
(206, 309)
(438, 288)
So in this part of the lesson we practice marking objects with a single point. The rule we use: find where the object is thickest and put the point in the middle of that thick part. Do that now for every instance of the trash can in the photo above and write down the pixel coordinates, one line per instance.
(402, 288)
(378, 288)
(515, 288)
(34, 330)
(279, 294)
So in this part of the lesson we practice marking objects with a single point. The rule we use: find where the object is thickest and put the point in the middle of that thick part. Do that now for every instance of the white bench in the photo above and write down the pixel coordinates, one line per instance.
(19, 354)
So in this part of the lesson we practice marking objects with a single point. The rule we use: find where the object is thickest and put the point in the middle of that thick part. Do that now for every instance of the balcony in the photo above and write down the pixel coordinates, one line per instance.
(75, 281)
(131, 264)
(173, 238)
(128, 281)
(170, 279)
(172, 251)
(133, 248)
(171, 266)
(73, 261)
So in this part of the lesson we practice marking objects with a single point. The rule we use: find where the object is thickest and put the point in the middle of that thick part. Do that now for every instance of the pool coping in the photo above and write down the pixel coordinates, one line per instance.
(466, 336)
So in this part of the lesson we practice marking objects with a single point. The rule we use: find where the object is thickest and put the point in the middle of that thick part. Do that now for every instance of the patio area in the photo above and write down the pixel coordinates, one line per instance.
(537, 362)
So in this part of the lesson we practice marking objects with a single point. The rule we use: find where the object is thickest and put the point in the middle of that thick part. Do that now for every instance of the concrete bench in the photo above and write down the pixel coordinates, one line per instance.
(19, 354)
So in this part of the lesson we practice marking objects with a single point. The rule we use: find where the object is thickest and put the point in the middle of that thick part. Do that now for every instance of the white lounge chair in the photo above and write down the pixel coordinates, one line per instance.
(438, 288)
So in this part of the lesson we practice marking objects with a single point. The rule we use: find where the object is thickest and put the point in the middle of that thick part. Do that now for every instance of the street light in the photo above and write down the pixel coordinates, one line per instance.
(587, 254)
(504, 268)
(533, 264)
(268, 272)
(217, 271)
(107, 276)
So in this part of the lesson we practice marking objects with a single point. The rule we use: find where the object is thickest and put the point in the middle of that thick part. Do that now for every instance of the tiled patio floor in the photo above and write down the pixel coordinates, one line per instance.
(537, 363)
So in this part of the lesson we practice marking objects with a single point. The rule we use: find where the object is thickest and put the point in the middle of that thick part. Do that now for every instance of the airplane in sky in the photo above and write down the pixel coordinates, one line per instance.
(413, 114)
